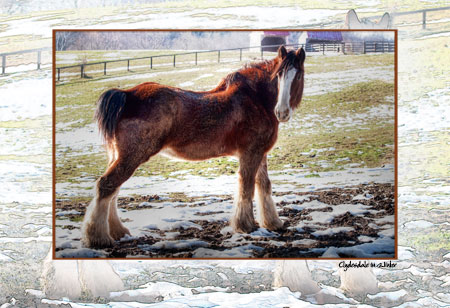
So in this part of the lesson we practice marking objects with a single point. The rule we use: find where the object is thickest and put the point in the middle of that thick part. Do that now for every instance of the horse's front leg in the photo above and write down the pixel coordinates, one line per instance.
(243, 220)
(268, 216)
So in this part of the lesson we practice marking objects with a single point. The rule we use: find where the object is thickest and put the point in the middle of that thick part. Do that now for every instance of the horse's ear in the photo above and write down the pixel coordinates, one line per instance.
(300, 54)
(384, 23)
(282, 52)
(352, 20)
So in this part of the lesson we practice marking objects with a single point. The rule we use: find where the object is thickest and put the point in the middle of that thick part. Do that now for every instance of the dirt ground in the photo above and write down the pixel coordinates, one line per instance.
(288, 243)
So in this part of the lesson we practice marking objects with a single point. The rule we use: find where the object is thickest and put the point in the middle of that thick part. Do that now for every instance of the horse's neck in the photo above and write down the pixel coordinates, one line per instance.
(271, 85)
(267, 90)
(256, 78)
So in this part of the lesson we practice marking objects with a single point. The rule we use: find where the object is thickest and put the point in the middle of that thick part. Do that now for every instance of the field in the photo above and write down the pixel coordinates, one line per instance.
(332, 168)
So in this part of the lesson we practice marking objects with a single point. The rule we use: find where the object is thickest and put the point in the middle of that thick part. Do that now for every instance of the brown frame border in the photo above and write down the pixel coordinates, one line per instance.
(395, 31)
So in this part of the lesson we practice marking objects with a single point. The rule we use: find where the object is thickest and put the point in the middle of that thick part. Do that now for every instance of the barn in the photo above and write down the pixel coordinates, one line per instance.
(314, 39)
(271, 40)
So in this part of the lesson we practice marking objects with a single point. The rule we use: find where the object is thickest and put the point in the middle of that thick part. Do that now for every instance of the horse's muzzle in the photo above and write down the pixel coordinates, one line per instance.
(283, 116)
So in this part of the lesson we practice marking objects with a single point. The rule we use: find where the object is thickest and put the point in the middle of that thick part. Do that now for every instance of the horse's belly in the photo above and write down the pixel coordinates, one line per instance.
(195, 152)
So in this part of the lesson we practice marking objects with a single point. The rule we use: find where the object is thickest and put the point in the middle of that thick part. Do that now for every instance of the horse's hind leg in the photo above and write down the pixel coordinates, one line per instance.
(243, 220)
(116, 228)
(96, 228)
(268, 216)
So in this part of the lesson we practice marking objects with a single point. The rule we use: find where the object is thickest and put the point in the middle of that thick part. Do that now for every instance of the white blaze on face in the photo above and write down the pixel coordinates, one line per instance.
(283, 109)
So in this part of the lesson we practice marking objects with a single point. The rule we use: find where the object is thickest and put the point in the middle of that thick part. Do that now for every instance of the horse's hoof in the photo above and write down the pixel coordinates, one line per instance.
(275, 225)
(93, 238)
(118, 232)
(103, 242)
(244, 228)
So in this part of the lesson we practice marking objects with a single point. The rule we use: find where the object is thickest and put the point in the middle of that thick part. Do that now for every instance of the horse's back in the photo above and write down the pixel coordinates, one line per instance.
(149, 101)
(198, 125)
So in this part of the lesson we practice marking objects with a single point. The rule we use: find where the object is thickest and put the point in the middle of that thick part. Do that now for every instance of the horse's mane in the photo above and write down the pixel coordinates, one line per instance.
(259, 65)
(242, 77)
(287, 62)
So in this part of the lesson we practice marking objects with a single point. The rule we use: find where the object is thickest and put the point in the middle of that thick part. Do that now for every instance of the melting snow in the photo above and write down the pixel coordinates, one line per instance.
(17, 105)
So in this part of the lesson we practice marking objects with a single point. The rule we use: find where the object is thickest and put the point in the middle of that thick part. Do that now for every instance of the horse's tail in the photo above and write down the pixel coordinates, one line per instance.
(110, 107)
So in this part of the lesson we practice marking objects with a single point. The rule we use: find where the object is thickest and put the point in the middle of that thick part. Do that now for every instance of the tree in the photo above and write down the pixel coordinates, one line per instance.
(63, 39)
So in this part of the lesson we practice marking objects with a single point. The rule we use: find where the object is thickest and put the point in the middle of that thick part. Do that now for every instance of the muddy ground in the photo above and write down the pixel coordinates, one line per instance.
(309, 241)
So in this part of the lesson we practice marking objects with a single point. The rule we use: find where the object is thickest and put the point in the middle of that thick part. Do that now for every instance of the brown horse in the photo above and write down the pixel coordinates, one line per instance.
(239, 117)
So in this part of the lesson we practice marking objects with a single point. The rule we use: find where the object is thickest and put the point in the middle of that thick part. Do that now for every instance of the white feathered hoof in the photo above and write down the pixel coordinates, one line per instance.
(59, 278)
(296, 276)
(358, 281)
(99, 278)
(72, 278)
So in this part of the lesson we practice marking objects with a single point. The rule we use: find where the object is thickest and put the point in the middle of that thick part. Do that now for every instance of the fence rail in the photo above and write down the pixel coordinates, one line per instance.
(423, 12)
(38, 52)
(344, 47)
(321, 25)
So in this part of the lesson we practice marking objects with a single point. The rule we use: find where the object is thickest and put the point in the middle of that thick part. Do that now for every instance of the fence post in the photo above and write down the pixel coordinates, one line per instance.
(218, 56)
(364, 47)
(323, 48)
(3, 64)
(128, 65)
(59, 73)
(104, 68)
(151, 62)
(39, 60)
(424, 19)
(82, 70)
(196, 58)
(240, 54)
(174, 60)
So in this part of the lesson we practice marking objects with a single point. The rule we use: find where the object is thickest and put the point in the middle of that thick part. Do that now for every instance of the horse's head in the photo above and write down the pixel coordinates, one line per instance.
(290, 74)
(353, 22)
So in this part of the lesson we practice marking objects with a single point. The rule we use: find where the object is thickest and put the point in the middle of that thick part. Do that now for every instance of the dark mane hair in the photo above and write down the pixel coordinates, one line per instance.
(257, 65)
(239, 77)
(287, 62)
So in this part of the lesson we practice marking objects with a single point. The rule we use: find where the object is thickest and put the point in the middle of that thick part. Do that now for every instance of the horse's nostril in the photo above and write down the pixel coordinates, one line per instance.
(283, 115)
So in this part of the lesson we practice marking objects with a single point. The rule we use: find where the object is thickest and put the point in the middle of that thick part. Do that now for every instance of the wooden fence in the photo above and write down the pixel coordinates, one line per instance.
(352, 47)
(368, 47)
(423, 12)
(38, 52)
(326, 48)
(344, 47)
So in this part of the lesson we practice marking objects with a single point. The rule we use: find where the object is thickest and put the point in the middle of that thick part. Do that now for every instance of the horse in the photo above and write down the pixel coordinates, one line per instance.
(239, 117)
(353, 22)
